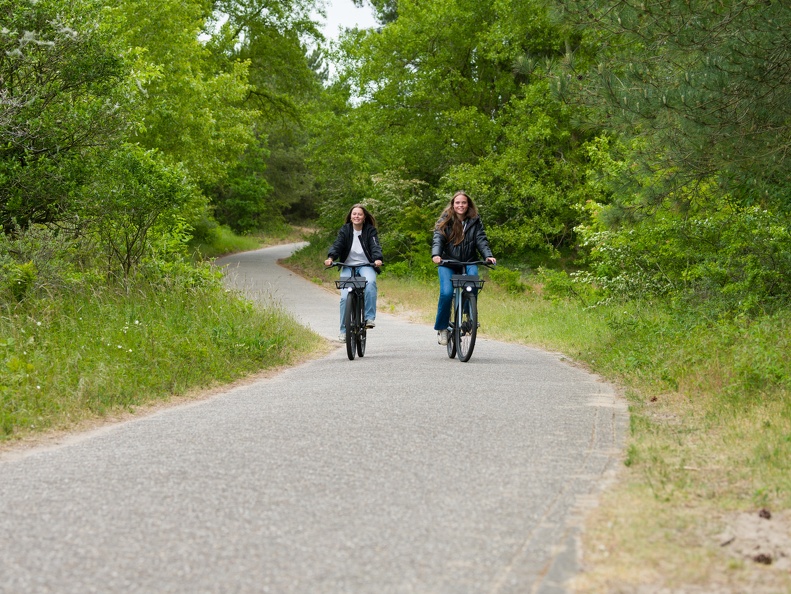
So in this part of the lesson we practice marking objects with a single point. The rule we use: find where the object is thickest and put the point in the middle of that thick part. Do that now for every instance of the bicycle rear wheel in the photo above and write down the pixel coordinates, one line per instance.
(349, 317)
(467, 331)
(362, 331)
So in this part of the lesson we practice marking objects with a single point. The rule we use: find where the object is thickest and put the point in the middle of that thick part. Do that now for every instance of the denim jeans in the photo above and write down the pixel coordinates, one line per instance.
(446, 294)
(370, 293)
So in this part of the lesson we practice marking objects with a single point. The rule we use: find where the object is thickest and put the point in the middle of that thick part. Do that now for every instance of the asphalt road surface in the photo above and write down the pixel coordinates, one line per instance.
(400, 472)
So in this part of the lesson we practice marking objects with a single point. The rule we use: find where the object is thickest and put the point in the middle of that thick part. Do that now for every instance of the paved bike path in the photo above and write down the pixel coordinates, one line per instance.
(401, 472)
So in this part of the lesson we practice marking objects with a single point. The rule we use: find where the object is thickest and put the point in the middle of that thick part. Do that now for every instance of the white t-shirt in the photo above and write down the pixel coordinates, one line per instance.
(356, 256)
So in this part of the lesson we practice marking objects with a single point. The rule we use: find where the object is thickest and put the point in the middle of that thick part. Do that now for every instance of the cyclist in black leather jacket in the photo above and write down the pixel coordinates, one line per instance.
(357, 243)
(458, 235)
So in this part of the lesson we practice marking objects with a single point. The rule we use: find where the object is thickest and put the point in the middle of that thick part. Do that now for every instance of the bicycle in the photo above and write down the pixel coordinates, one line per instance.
(354, 316)
(464, 310)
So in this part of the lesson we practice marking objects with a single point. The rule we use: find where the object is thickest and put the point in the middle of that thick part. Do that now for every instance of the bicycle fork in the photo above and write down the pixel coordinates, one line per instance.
(456, 318)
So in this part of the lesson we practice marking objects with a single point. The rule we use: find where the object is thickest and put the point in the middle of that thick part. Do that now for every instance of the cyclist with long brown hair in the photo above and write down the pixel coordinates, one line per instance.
(357, 246)
(458, 235)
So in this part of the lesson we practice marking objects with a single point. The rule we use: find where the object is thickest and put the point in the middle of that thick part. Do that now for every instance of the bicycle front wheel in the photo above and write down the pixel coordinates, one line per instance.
(452, 334)
(467, 330)
(361, 329)
(349, 317)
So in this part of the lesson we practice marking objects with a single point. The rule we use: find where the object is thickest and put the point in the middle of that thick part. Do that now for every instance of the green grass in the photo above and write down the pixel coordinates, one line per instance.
(74, 348)
(710, 415)
(83, 355)
(223, 241)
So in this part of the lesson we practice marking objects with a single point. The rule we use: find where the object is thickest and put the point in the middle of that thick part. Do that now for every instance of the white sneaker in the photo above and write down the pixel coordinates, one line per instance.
(342, 337)
(442, 337)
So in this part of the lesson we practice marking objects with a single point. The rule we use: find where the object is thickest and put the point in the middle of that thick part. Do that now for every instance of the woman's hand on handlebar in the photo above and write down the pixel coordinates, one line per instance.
(492, 260)
(377, 263)
(328, 262)
(436, 259)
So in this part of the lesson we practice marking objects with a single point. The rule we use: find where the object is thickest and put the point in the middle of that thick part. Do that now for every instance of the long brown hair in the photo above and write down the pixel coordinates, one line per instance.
(449, 223)
(369, 218)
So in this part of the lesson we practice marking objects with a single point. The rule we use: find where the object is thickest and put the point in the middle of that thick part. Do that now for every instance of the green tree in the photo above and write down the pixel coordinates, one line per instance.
(386, 11)
(62, 98)
(691, 190)
(285, 74)
(240, 200)
(704, 84)
(130, 193)
(191, 105)
(454, 94)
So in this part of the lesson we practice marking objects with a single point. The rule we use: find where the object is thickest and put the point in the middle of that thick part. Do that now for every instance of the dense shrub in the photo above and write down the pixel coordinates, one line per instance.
(738, 257)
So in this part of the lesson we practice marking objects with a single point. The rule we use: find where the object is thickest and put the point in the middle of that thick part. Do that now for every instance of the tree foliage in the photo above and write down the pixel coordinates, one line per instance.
(706, 85)
(62, 85)
(691, 183)
(453, 94)
(273, 38)
(130, 194)
(113, 117)
(191, 104)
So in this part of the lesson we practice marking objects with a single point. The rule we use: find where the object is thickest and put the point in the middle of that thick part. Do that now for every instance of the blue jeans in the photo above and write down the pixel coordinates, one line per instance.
(446, 294)
(370, 293)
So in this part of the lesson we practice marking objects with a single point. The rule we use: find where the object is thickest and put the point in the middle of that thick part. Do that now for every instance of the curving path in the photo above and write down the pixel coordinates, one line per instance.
(401, 472)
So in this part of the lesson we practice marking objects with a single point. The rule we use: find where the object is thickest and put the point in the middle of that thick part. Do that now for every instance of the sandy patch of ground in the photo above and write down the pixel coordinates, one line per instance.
(751, 555)
(760, 537)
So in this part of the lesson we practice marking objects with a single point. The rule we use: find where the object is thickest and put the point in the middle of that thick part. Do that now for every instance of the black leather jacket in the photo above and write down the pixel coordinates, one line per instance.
(475, 241)
(369, 238)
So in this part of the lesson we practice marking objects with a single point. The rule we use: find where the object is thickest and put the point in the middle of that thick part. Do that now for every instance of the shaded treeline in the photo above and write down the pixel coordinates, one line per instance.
(642, 148)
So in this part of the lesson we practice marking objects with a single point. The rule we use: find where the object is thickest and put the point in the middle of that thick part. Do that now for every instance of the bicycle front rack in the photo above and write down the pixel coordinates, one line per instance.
(467, 281)
(351, 283)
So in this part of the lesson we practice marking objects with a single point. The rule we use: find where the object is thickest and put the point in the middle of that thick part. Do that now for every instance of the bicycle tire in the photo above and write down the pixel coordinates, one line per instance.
(451, 346)
(467, 331)
(351, 326)
(363, 331)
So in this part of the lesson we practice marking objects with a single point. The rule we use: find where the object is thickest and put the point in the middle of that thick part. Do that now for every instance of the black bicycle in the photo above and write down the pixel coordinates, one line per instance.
(464, 323)
(354, 316)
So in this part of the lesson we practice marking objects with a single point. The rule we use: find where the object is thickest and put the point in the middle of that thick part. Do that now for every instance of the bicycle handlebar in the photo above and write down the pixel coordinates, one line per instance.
(458, 263)
(341, 264)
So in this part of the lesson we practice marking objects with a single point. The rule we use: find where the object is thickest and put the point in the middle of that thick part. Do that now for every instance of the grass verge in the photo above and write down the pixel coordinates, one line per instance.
(222, 241)
(73, 356)
(93, 354)
(709, 448)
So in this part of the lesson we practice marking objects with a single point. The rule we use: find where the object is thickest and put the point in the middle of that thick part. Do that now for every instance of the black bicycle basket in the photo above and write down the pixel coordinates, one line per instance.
(351, 283)
(467, 280)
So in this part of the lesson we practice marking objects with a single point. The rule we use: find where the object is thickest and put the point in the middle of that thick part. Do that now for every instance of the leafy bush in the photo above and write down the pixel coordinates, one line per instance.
(421, 269)
(510, 280)
(135, 196)
(738, 257)
(241, 200)
(39, 261)
(559, 285)
(17, 279)
(556, 284)
(405, 211)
